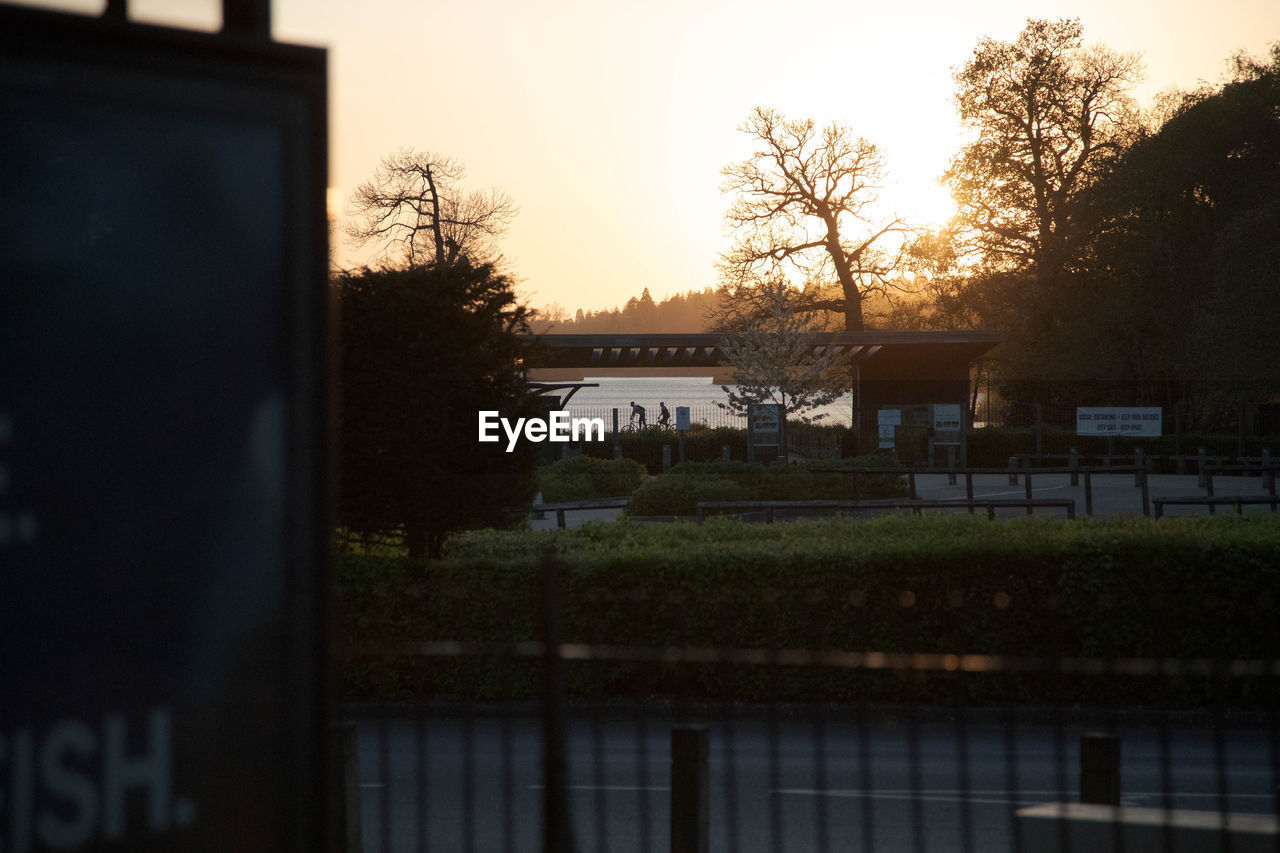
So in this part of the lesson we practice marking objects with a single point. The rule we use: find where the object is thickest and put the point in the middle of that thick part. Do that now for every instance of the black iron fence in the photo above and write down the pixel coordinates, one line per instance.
(570, 738)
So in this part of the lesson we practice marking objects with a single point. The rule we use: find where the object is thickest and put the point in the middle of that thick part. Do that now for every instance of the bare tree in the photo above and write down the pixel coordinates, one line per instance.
(805, 201)
(414, 210)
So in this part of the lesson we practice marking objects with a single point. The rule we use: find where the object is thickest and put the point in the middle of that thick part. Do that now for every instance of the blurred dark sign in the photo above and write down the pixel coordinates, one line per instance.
(682, 418)
(162, 438)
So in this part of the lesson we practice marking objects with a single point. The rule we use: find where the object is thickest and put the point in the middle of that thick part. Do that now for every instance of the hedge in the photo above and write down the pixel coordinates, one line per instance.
(1108, 588)
(645, 446)
(584, 478)
(678, 492)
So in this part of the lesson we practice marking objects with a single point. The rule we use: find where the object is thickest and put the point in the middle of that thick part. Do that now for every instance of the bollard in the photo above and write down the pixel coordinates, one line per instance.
(1073, 462)
(1013, 470)
(348, 835)
(724, 453)
(690, 790)
(557, 825)
(666, 458)
(1100, 769)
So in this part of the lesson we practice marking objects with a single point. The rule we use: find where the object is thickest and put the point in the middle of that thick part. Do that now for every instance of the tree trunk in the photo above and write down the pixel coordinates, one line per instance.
(852, 296)
(435, 217)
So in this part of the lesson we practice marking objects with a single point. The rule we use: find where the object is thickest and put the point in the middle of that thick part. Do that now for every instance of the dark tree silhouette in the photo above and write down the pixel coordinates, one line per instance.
(804, 200)
(423, 351)
(1050, 115)
(415, 212)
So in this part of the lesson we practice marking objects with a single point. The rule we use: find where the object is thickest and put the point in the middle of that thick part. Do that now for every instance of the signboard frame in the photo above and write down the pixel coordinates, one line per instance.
(1120, 421)
(113, 70)
(765, 429)
(682, 418)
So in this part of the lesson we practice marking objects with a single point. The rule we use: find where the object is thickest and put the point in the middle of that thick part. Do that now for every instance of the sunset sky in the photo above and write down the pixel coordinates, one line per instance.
(609, 122)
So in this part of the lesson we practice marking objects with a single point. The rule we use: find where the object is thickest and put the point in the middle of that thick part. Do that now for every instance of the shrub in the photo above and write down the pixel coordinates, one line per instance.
(768, 482)
(1112, 588)
(584, 478)
(645, 446)
(675, 494)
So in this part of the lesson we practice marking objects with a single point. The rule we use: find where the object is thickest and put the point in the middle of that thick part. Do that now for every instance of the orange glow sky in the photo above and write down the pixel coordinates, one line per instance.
(608, 120)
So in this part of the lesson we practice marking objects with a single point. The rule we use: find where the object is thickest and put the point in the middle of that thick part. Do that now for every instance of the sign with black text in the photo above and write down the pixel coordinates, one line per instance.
(1138, 421)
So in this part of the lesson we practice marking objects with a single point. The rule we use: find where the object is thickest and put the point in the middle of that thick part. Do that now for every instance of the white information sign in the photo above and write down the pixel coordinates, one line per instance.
(1137, 421)
(886, 435)
(946, 416)
(889, 417)
(682, 418)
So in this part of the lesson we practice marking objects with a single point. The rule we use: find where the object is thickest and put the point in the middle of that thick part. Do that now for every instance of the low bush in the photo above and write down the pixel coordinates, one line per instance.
(1031, 588)
(584, 478)
(645, 446)
(678, 492)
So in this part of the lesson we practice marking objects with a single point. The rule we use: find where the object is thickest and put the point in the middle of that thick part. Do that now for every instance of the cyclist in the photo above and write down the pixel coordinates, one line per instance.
(637, 413)
(664, 415)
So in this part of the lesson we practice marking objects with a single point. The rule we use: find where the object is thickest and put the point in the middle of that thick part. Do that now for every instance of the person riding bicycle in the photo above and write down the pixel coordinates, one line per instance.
(637, 413)
(664, 414)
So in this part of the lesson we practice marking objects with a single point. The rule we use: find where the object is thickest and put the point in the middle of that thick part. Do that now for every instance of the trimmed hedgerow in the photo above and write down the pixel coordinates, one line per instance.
(645, 446)
(584, 478)
(678, 492)
(1110, 588)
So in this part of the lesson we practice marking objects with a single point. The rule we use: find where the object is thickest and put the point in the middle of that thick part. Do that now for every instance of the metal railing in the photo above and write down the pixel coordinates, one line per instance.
(979, 752)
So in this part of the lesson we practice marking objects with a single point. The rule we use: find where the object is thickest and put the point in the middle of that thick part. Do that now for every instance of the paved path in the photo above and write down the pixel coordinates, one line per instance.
(825, 784)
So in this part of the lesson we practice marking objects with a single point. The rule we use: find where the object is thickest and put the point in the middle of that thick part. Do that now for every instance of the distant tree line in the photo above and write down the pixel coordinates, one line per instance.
(687, 313)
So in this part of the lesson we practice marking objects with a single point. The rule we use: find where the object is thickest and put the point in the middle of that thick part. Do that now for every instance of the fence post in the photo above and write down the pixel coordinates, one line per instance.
(617, 449)
(1039, 433)
(1268, 473)
(1088, 493)
(951, 465)
(1139, 476)
(615, 420)
(666, 458)
(1013, 470)
(1073, 462)
(690, 790)
(1100, 769)
(557, 828)
(1180, 463)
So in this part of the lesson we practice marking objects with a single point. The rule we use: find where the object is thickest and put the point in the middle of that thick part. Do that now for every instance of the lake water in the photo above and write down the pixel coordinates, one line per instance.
(700, 394)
